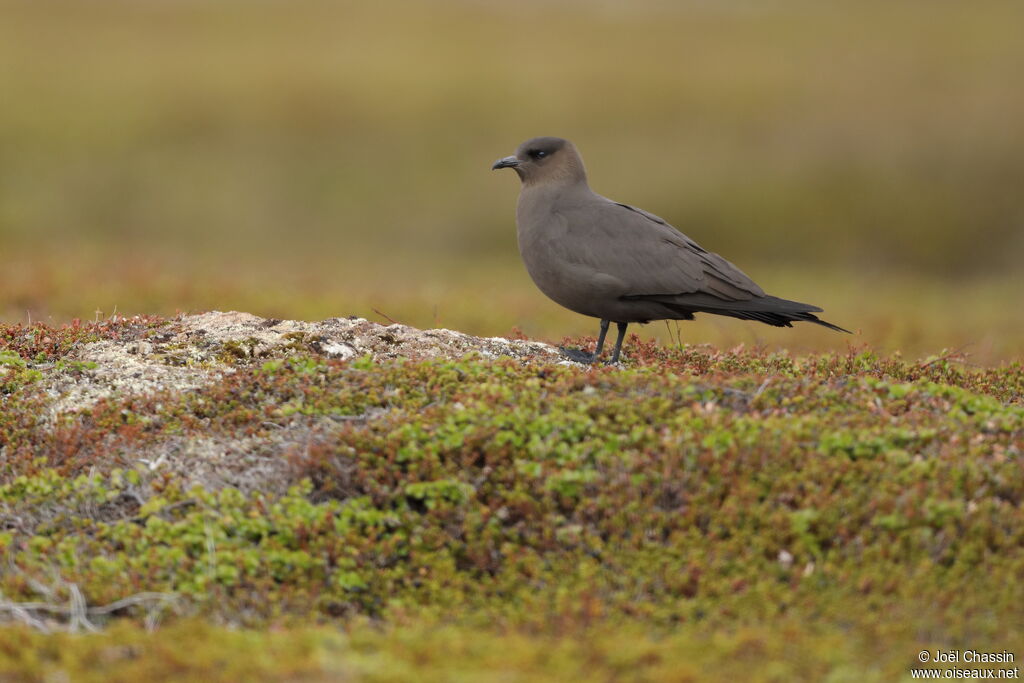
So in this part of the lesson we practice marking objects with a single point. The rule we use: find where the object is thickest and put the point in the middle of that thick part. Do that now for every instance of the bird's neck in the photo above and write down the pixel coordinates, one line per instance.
(539, 203)
(554, 193)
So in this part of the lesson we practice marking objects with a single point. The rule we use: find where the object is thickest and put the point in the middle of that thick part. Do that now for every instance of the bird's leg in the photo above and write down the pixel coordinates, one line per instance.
(581, 356)
(600, 339)
(618, 342)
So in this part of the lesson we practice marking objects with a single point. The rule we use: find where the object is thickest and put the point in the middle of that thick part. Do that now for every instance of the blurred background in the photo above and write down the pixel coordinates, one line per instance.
(316, 159)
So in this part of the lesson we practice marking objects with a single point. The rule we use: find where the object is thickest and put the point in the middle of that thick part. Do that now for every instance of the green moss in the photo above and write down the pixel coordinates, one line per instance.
(15, 373)
(239, 349)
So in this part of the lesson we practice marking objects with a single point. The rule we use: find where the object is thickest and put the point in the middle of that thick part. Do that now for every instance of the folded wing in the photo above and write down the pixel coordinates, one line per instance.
(657, 263)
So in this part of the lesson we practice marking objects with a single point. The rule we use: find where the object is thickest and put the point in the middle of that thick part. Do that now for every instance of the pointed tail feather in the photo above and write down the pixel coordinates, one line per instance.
(777, 318)
(811, 318)
(770, 310)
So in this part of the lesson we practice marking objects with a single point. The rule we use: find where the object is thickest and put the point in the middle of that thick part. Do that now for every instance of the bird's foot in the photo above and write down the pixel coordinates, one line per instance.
(578, 355)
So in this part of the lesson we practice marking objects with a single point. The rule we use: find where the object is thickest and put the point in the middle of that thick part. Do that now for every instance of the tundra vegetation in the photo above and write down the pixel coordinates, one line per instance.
(693, 514)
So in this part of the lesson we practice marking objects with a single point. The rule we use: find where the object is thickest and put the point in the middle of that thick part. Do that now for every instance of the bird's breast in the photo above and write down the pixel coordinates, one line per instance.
(555, 264)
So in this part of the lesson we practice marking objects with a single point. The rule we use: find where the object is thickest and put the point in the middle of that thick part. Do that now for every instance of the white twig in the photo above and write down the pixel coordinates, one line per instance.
(77, 611)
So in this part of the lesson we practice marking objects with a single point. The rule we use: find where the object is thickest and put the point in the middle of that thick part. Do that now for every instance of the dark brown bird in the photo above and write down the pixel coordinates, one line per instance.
(621, 264)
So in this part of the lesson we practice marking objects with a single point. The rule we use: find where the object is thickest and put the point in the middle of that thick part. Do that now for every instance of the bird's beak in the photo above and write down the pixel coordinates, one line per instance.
(507, 162)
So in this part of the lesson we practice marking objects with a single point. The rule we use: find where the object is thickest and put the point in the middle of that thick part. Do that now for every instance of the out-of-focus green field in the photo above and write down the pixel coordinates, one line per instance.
(318, 159)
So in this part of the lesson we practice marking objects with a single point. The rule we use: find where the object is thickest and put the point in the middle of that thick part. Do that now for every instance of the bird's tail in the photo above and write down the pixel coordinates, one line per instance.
(770, 310)
(780, 319)
(785, 311)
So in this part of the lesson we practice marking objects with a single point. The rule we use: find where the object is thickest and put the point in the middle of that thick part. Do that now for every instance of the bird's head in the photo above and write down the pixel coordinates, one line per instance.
(545, 160)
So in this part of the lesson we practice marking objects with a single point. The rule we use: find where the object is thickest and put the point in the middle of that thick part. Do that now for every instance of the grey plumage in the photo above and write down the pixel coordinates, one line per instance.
(619, 263)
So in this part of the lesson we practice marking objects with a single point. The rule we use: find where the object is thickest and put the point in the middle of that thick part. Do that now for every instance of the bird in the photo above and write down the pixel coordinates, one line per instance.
(619, 263)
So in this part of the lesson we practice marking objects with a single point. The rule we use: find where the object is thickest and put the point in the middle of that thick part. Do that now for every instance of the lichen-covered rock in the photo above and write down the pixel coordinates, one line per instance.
(193, 350)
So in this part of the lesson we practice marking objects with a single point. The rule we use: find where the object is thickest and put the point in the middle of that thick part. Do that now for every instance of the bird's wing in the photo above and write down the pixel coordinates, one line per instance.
(650, 257)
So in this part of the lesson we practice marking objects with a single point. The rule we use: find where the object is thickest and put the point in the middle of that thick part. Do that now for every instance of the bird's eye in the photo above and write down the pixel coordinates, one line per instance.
(537, 153)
